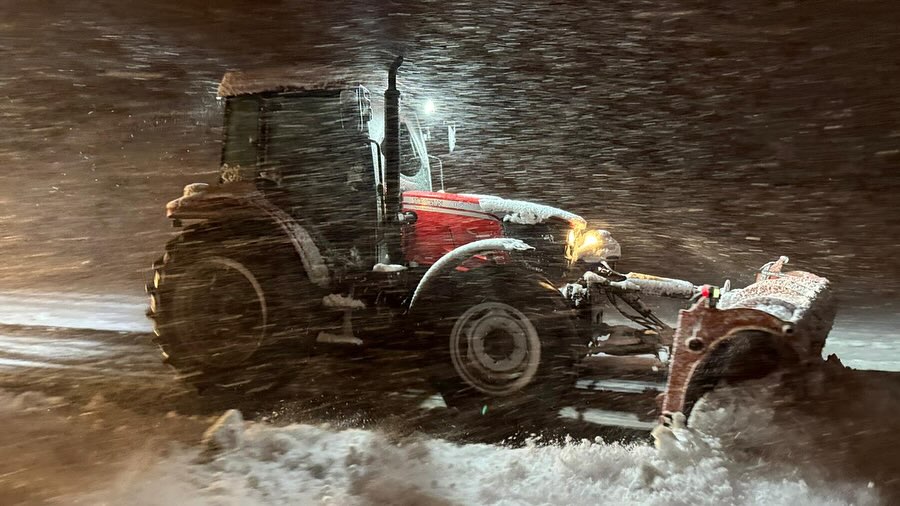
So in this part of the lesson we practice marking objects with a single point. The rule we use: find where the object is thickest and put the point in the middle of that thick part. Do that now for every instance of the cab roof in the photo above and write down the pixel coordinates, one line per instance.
(305, 78)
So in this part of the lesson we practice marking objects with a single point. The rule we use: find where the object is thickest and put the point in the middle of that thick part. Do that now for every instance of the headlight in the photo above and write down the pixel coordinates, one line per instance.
(592, 246)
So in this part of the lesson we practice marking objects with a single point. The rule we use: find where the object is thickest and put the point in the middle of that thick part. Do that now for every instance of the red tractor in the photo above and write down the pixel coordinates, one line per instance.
(324, 231)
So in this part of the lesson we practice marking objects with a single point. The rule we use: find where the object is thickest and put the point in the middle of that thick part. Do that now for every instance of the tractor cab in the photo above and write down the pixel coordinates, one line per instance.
(311, 142)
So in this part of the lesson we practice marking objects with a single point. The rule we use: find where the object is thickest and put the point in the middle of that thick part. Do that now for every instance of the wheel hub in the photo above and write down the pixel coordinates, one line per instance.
(498, 343)
(495, 348)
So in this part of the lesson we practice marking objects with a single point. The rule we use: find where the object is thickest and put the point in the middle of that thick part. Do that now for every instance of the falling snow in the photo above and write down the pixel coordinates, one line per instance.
(707, 137)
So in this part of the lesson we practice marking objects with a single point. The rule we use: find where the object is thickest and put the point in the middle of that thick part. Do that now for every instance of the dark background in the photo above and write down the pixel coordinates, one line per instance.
(708, 136)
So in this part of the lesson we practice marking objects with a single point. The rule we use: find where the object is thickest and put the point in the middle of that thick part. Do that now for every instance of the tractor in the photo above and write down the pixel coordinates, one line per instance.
(325, 232)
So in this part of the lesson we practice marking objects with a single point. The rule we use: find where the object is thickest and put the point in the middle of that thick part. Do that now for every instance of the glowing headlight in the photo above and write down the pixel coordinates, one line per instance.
(592, 246)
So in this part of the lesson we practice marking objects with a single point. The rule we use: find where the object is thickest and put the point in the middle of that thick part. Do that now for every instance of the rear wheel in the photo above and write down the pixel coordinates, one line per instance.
(504, 344)
(230, 309)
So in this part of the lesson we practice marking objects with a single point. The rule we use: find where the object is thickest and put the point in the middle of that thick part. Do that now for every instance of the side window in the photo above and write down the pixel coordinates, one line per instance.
(302, 131)
(415, 173)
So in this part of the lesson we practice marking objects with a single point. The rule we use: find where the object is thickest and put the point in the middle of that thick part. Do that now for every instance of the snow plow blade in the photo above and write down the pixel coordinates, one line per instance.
(778, 323)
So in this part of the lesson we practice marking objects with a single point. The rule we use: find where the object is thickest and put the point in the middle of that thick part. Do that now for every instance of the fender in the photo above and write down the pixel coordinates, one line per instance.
(457, 256)
(234, 201)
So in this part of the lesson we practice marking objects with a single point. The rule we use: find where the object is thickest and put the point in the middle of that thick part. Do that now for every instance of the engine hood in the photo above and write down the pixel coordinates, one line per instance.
(445, 221)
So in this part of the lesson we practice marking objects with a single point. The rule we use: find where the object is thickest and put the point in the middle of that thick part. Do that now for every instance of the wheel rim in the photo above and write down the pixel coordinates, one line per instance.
(221, 312)
(495, 348)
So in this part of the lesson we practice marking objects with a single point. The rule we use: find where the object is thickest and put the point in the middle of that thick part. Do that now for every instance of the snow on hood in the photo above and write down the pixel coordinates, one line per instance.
(525, 213)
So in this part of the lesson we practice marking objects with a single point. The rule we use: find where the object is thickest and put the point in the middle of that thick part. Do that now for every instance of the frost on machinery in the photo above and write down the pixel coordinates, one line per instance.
(324, 232)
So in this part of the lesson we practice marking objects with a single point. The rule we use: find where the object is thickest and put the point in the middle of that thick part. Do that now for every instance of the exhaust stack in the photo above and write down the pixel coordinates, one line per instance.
(391, 144)
(391, 149)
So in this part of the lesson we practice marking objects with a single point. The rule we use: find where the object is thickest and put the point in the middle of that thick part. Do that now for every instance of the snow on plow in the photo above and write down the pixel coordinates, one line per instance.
(778, 323)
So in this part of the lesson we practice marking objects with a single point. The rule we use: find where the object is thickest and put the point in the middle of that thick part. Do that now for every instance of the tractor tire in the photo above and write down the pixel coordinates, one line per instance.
(232, 307)
(504, 345)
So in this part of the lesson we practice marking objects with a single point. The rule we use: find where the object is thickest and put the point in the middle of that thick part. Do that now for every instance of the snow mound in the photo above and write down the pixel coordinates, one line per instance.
(226, 435)
(306, 464)
(117, 313)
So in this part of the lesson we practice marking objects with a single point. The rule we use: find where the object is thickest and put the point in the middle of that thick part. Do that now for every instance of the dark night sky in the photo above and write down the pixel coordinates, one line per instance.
(709, 136)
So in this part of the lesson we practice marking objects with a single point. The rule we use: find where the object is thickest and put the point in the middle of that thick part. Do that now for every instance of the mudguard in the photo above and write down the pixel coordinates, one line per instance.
(235, 201)
(456, 257)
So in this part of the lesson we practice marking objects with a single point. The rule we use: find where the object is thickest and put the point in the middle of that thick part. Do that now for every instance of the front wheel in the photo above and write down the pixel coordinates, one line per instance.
(504, 342)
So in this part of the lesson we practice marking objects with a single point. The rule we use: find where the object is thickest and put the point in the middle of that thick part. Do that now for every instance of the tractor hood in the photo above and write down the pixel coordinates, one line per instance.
(445, 221)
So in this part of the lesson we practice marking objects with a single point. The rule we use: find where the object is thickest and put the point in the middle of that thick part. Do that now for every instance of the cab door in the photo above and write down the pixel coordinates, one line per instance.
(320, 171)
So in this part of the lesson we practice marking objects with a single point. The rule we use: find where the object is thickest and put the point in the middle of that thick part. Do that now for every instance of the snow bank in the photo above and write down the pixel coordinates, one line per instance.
(74, 310)
(305, 464)
(717, 461)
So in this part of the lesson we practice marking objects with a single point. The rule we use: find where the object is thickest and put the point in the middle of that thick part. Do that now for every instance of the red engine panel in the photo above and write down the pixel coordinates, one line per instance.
(445, 221)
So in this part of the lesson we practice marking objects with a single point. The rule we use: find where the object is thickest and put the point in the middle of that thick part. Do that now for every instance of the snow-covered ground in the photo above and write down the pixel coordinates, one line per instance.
(82, 448)
(303, 464)
(75, 311)
(865, 344)
(260, 464)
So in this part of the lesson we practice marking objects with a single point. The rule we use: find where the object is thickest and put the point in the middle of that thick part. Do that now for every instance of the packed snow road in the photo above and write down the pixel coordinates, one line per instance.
(93, 417)
(64, 343)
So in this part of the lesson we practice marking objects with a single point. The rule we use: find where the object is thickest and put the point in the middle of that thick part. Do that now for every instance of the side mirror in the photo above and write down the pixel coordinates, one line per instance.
(451, 138)
(440, 141)
(357, 102)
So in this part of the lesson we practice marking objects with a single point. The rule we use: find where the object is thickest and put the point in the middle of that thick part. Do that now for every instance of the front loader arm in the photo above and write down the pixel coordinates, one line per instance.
(629, 287)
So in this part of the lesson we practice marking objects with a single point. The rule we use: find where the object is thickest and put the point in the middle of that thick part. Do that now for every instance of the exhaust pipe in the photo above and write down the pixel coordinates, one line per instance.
(391, 144)
(391, 149)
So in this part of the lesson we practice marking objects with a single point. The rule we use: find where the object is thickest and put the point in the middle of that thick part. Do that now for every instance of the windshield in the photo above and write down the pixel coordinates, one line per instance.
(415, 169)
(306, 130)
(415, 172)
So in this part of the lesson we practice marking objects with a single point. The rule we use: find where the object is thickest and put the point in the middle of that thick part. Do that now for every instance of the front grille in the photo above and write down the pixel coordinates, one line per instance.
(549, 241)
